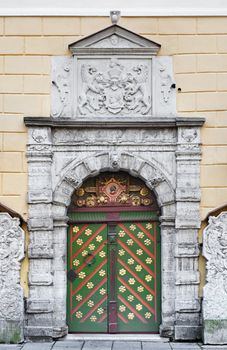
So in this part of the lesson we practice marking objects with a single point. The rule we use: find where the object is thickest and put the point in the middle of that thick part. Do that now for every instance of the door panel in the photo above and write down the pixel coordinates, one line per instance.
(117, 283)
(138, 277)
(87, 291)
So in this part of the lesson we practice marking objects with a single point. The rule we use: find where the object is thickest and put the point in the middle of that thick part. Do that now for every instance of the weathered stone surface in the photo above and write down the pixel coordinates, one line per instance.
(11, 293)
(215, 291)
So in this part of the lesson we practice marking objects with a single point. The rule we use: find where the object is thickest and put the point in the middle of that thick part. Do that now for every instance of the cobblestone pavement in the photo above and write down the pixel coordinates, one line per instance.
(110, 345)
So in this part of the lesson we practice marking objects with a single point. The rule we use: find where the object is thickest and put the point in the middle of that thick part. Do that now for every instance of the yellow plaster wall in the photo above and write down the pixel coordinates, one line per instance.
(199, 50)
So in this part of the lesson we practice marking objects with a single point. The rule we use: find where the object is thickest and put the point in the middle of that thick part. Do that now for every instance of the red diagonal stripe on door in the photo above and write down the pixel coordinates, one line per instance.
(136, 258)
(147, 233)
(130, 307)
(137, 295)
(89, 240)
(89, 295)
(89, 277)
(94, 253)
(122, 318)
(130, 234)
(104, 316)
(136, 277)
(94, 308)
(83, 228)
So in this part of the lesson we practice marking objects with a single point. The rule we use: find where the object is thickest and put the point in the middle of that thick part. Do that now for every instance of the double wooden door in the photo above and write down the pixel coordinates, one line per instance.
(114, 277)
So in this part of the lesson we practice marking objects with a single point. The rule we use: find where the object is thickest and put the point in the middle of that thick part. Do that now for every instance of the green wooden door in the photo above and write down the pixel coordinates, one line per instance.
(114, 277)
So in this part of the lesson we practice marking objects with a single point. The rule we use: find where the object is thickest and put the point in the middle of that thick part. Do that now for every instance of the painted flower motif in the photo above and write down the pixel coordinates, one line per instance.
(100, 310)
(79, 314)
(149, 226)
(93, 318)
(122, 289)
(130, 298)
(122, 272)
(132, 227)
(121, 252)
(148, 278)
(139, 307)
(102, 273)
(88, 232)
(131, 261)
(76, 229)
(147, 242)
(140, 289)
(138, 268)
(131, 281)
(79, 297)
(84, 253)
(149, 297)
(82, 275)
(99, 238)
(122, 308)
(102, 254)
(79, 241)
(149, 260)
(130, 242)
(76, 262)
(131, 316)
(147, 315)
(139, 252)
(102, 291)
(140, 234)
(121, 233)
(90, 303)
(90, 285)
(91, 246)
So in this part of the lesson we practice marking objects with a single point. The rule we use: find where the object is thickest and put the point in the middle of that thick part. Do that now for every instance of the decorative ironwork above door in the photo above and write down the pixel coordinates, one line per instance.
(109, 190)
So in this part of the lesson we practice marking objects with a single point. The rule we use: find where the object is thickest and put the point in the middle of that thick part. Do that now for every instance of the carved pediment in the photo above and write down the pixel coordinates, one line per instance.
(114, 38)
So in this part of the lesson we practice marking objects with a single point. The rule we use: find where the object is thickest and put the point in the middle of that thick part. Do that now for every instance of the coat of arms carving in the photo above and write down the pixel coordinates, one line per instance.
(114, 87)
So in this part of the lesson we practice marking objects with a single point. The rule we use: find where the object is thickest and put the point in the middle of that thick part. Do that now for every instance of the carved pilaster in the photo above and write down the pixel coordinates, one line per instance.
(215, 290)
(11, 293)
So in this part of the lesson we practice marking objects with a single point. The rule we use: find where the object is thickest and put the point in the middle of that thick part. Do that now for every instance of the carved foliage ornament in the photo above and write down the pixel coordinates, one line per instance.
(114, 89)
(11, 253)
(112, 190)
(215, 251)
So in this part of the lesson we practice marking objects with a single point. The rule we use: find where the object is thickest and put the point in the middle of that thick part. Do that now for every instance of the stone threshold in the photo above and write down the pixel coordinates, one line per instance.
(128, 337)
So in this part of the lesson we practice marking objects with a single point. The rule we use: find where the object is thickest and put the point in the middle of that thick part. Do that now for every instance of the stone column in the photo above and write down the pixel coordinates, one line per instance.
(215, 290)
(11, 293)
(40, 302)
(187, 304)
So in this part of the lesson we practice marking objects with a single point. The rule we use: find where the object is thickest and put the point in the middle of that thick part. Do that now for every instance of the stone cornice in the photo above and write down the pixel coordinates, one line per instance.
(167, 122)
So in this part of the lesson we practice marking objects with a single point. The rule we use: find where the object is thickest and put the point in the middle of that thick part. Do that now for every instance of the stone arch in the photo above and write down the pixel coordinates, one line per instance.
(78, 171)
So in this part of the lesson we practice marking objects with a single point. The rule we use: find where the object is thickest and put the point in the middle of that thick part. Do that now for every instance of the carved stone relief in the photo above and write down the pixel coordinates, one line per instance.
(11, 293)
(215, 290)
(114, 87)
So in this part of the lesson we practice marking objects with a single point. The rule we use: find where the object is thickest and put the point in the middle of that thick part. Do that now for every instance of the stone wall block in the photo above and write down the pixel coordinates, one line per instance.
(63, 193)
(188, 215)
(164, 91)
(40, 272)
(39, 306)
(40, 245)
(12, 243)
(44, 223)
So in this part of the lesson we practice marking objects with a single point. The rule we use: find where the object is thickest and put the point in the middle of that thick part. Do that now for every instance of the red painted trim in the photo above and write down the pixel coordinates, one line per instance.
(94, 253)
(137, 295)
(83, 228)
(122, 318)
(94, 234)
(136, 277)
(122, 299)
(90, 276)
(136, 258)
(104, 316)
(130, 234)
(94, 308)
(147, 233)
(155, 269)
(89, 295)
